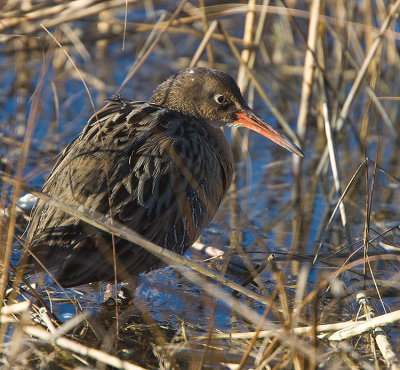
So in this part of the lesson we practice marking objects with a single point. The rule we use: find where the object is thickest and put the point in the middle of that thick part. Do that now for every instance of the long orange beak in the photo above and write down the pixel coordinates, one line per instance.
(252, 121)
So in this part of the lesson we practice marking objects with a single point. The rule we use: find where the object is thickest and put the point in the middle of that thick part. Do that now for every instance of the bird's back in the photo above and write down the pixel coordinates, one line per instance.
(152, 169)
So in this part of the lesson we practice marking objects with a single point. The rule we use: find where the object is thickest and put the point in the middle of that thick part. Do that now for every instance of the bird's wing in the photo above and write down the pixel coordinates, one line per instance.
(141, 165)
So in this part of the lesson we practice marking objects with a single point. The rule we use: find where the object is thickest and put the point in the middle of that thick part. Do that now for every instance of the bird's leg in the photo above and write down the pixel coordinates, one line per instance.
(123, 292)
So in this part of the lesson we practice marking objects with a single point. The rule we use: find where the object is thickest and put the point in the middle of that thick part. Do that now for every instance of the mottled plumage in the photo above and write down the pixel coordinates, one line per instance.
(160, 168)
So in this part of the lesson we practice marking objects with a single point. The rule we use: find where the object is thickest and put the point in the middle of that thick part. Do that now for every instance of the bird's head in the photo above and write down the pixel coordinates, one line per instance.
(214, 96)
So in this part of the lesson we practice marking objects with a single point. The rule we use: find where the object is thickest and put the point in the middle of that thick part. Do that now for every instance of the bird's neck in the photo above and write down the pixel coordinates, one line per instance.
(171, 95)
(223, 151)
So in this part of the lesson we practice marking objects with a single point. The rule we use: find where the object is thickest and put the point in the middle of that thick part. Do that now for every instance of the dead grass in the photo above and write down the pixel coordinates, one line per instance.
(320, 235)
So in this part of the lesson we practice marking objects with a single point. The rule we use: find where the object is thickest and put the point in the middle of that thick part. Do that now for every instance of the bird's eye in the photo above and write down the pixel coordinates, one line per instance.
(220, 99)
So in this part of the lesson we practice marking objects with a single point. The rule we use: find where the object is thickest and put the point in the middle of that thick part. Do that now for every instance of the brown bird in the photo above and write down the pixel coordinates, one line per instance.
(161, 168)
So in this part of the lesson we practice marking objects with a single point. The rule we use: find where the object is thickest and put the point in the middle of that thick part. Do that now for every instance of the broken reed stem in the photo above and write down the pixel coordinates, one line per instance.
(342, 330)
(379, 334)
(15, 308)
(361, 327)
(81, 349)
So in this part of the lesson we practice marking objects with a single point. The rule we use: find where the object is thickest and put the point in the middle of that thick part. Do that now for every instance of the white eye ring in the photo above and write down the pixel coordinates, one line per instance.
(220, 99)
